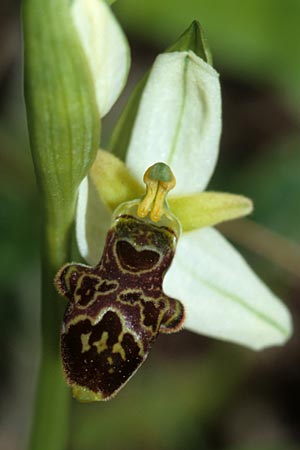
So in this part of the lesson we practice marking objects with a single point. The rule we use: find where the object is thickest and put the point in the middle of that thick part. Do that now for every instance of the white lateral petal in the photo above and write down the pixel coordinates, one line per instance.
(222, 295)
(178, 121)
(92, 222)
(106, 49)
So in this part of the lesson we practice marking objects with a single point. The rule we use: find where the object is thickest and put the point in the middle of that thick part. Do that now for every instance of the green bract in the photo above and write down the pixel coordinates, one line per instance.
(61, 109)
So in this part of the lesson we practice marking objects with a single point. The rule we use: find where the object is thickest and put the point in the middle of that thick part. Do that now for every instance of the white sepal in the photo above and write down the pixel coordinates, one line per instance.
(178, 121)
(92, 222)
(106, 48)
(222, 295)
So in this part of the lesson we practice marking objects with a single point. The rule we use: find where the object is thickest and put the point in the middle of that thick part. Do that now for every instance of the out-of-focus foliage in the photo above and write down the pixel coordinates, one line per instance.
(175, 418)
(256, 40)
(273, 179)
(16, 193)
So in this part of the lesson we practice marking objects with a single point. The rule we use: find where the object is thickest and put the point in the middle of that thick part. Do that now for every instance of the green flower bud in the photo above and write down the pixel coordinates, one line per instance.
(63, 119)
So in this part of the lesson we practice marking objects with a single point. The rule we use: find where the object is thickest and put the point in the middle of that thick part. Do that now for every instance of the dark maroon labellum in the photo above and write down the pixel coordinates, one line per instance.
(117, 308)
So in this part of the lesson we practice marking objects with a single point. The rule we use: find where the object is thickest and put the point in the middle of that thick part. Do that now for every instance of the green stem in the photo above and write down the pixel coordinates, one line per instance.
(50, 421)
(51, 414)
(64, 131)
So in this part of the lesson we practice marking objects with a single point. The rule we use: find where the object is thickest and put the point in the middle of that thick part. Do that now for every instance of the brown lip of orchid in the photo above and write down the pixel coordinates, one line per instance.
(117, 308)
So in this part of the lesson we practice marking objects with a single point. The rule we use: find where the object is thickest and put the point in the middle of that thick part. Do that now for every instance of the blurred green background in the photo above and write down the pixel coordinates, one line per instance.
(193, 392)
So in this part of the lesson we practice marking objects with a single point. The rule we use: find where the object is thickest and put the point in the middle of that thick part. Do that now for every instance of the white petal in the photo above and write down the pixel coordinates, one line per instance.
(178, 121)
(222, 295)
(92, 222)
(106, 49)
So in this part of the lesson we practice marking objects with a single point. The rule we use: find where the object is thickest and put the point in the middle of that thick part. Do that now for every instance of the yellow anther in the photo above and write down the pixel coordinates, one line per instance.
(159, 180)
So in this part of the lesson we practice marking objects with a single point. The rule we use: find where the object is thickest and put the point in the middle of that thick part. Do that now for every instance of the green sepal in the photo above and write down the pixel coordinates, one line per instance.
(63, 120)
(207, 209)
(192, 39)
(115, 185)
(113, 182)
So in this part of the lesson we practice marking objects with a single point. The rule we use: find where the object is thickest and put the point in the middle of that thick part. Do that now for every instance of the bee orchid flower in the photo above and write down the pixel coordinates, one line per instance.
(178, 122)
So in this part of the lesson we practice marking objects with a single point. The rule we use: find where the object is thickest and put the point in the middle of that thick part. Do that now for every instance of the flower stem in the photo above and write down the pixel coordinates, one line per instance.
(50, 420)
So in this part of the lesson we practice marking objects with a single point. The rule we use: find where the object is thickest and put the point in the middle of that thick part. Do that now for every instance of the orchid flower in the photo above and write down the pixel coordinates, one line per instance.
(76, 64)
(178, 122)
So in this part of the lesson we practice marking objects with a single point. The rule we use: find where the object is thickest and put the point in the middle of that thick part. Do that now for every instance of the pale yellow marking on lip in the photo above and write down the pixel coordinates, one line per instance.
(85, 342)
(110, 362)
(83, 394)
(117, 348)
(102, 344)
